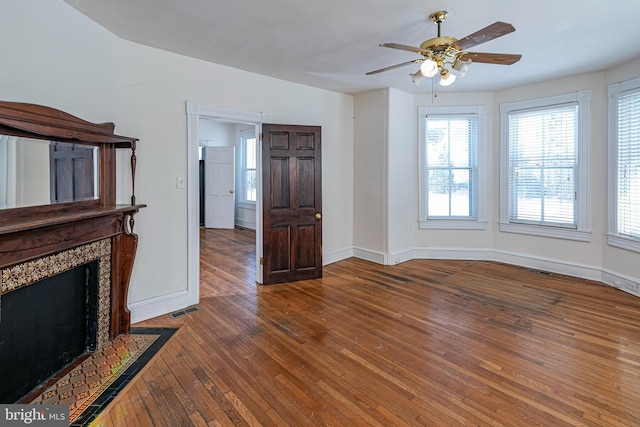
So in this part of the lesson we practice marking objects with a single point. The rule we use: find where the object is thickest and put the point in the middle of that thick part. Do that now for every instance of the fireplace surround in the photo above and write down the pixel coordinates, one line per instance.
(39, 241)
(30, 272)
(54, 310)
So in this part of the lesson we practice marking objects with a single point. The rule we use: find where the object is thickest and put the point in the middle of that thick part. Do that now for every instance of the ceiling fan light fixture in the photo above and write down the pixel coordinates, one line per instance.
(429, 67)
(462, 67)
(416, 77)
(446, 78)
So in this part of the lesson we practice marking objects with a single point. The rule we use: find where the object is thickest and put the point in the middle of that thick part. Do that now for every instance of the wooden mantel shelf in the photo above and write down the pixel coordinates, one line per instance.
(30, 237)
(33, 222)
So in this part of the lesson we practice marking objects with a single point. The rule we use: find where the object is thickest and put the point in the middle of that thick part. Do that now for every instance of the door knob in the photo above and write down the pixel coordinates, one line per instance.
(318, 215)
(231, 191)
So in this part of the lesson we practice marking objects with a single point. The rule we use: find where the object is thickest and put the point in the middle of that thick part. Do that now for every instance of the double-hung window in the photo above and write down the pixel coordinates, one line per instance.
(624, 165)
(451, 171)
(248, 167)
(544, 162)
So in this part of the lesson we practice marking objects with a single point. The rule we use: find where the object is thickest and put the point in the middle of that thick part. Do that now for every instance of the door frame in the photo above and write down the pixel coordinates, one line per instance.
(195, 111)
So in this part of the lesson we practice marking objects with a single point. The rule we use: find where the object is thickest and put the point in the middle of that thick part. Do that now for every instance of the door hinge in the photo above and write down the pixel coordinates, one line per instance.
(261, 261)
(260, 136)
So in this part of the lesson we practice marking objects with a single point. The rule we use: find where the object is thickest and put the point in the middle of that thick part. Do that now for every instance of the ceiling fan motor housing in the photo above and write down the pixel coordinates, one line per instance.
(438, 44)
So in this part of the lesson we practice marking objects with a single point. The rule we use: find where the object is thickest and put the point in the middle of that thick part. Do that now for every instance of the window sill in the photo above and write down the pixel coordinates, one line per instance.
(623, 243)
(452, 224)
(546, 231)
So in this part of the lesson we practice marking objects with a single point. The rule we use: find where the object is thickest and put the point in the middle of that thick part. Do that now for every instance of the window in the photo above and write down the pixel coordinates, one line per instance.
(543, 174)
(451, 178)
(624, 165)
(248, 166)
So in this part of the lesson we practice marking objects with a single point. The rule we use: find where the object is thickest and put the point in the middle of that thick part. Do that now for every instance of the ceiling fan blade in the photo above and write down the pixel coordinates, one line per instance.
(493, 31)
(381, 70)
(404, 47)
(491, 58)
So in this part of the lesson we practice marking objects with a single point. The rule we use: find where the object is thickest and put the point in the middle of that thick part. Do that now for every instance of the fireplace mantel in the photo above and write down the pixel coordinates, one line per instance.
(30, 233)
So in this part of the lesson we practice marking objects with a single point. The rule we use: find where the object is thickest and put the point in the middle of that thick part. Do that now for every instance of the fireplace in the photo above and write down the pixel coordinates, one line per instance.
(52, 310)
(46, 242)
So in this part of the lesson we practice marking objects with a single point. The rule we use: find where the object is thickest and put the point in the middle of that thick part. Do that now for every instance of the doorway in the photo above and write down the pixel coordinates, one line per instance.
(195, 112)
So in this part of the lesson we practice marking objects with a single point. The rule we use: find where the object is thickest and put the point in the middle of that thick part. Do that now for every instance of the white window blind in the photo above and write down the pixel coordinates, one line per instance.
(543, 153)
(452, 166)
(628, 165)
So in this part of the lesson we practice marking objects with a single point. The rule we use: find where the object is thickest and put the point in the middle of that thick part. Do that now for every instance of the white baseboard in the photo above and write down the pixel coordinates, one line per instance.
(568, 268)
(369, 255)
(400, 257)
(621, 281)
(453, 253)
(158, 306)
(245, 224)
(612, 278)
(335, 256)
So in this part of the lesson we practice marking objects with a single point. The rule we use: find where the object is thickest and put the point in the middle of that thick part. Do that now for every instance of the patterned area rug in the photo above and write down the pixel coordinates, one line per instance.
(92, 384)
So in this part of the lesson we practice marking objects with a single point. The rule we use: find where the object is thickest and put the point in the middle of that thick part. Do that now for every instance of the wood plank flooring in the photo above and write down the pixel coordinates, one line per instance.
(436, 343)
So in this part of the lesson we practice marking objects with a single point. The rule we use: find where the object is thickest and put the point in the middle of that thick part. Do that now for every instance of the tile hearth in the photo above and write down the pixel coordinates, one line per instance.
(95, 380)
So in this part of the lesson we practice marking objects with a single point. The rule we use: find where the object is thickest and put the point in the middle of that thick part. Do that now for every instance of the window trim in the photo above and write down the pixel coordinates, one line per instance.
(479, 223)
(583, 222)
(242, 201)
(615, 239)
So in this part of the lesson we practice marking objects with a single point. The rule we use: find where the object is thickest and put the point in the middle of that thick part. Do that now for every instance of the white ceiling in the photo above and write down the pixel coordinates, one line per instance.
(331, 44)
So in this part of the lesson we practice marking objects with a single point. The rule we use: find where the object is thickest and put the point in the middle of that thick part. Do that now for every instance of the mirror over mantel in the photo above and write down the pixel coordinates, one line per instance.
(52, 161)
(37, 172)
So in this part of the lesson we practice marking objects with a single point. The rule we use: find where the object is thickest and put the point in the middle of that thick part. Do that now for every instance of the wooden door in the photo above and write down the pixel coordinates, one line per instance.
(292, 203)
(72, 172)
(220, 200)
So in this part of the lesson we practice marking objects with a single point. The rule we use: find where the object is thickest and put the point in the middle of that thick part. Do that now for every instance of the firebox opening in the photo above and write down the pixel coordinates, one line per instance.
(44, 327)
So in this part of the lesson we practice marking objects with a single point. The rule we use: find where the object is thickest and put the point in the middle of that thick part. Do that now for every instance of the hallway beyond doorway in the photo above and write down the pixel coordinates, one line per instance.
(227, 261)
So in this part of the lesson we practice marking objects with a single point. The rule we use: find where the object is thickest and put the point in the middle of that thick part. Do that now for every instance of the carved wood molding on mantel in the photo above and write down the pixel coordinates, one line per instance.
(33, 237)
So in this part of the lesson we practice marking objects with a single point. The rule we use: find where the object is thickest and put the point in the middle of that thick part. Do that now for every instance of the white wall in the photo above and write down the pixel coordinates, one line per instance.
(369, 175)
(62, 59)
(55, 56)
(216, 134)
(402, 176)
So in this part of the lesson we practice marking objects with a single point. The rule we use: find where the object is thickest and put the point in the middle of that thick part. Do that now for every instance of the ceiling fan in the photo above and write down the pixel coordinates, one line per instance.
(443, 51)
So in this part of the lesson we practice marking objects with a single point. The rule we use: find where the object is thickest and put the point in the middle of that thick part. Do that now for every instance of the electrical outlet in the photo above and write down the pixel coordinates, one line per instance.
(180, 182)
(631, 286)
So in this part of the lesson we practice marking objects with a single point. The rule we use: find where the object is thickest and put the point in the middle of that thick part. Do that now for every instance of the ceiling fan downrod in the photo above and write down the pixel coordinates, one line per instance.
(437, 18)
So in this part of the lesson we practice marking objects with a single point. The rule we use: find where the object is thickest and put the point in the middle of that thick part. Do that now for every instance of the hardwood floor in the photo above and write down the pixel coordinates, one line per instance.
(437, 343)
